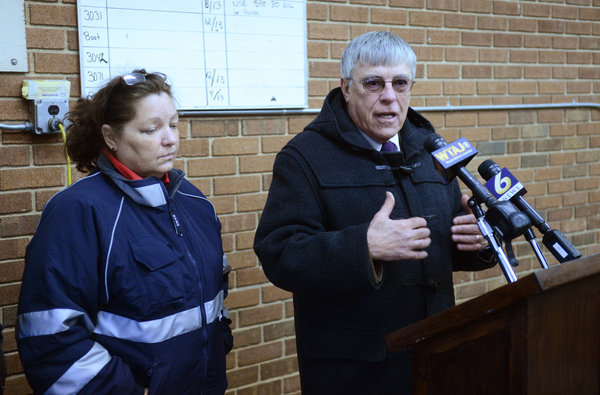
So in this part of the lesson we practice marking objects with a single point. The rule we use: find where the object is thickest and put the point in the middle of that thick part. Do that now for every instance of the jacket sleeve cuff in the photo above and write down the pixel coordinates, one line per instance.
(376, 271)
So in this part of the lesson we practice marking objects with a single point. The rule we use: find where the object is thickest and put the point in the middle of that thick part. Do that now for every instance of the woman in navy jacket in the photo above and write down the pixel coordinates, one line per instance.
(125, 277)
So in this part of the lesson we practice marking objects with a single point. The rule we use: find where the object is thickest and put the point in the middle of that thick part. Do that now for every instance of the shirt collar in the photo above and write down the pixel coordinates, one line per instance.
(377, 146)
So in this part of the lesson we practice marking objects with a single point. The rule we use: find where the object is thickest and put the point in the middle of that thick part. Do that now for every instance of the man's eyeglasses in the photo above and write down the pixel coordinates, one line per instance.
(136, 78)
(376, 85)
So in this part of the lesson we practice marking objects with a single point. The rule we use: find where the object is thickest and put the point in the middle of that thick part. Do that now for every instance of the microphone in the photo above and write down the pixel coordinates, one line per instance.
(504, 186)
(450, 161)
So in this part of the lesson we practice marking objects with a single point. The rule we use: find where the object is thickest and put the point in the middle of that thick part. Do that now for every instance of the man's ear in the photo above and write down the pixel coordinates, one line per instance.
(345, 85)
(110, 137)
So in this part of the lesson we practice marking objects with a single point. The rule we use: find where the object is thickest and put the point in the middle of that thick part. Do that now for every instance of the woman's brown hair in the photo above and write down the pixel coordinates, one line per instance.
(112, 105)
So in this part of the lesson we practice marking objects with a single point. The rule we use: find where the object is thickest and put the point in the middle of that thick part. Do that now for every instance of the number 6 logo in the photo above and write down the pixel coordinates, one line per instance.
(502, 184)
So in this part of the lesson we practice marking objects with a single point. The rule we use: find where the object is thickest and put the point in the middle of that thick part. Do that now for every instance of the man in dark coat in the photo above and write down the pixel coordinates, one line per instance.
(366, 240)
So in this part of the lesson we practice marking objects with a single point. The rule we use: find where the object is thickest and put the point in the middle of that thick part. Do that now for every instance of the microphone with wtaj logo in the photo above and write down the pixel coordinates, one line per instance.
(450, 160)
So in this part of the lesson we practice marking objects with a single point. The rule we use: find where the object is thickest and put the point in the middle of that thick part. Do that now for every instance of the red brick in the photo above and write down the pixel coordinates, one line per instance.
(40, 38)
(261, 314)
(477, 39)
(508, 40)
(443, 71)
(242, 298)
(242, 260)
(448, 5)
(480, 6)
(193, 148)
(316, 12)
(591, 14)
(390, 17)
(56, 63)
(279, 368)
(236, 223)
(21, 225)
(538, 41)
(14, 156)
(522, 25)
(214, 128)
(254, 127)
(480, 71)
(419, 18)
(327, 31)
(244, 241)
(11, 271)
(460, 21)
(242, 376)
(324, 69)
(435, 37)
(565, 12)
(13, 248)
(52, 15)
(492, 23)
(235, 146)
(212, 166)
(551, 26)
(31, 178)
(251, 276)
(538, 10)
(251, 202)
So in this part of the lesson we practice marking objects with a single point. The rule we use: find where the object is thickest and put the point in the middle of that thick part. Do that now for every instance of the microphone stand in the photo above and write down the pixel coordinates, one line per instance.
(488, 233)
(530, 237)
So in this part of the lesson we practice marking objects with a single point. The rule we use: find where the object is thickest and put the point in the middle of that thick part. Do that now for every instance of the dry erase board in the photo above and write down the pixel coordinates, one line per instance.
(218, 54)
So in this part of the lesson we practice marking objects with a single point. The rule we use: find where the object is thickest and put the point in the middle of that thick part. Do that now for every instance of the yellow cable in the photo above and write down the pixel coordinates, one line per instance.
(64, 135)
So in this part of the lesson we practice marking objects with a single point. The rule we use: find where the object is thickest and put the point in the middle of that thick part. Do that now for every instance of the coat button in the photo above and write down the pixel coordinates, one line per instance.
(433, 283)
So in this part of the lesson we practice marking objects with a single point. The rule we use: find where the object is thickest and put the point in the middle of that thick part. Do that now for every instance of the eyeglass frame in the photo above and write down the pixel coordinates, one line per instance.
(132, 79)
(382, 83)
(135, 78)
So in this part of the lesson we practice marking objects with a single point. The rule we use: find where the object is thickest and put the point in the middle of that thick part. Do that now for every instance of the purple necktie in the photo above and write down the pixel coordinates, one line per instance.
(389, 147)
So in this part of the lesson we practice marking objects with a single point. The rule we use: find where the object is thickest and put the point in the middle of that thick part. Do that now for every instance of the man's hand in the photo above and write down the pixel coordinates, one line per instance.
(465, 232)
(395, 239)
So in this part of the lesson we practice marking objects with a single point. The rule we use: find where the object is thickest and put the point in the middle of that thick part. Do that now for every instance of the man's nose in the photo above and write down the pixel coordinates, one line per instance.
(387, 93)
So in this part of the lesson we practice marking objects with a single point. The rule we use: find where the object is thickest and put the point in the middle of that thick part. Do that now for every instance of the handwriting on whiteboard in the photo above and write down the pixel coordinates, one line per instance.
(218, 54)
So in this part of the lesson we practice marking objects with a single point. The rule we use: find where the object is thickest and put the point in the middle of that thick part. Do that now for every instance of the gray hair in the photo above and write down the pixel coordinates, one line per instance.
(377, 49)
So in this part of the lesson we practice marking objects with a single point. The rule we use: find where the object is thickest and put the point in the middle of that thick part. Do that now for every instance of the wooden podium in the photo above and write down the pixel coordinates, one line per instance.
(538, 335)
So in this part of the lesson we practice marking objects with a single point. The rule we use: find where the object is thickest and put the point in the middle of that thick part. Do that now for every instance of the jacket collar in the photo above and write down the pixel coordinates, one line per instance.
(147, 191)
(334, 122)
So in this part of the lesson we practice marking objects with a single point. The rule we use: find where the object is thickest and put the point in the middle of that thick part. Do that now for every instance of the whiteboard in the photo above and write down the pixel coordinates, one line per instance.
(218, 54)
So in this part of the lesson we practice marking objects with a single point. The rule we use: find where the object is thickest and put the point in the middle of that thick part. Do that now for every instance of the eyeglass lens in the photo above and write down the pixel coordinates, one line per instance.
(399, 85)
(133, 78)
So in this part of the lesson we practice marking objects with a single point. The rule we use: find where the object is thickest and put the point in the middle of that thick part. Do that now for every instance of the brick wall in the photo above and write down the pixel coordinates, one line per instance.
(470, 52)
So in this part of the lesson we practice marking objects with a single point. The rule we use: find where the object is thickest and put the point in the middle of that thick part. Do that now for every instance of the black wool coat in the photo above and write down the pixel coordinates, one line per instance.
(327, 185)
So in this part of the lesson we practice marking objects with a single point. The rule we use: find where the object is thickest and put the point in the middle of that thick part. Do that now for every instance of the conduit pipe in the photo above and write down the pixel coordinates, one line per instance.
(315, 111)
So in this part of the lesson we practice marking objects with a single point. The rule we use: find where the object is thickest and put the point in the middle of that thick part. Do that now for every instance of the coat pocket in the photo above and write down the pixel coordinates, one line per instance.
(159, 275)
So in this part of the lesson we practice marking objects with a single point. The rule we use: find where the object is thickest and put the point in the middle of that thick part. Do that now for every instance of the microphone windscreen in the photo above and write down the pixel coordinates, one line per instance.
(488, 169)
(434, 142)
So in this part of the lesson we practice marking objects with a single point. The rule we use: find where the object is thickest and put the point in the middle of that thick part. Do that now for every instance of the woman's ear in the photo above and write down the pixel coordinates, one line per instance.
(110, 137)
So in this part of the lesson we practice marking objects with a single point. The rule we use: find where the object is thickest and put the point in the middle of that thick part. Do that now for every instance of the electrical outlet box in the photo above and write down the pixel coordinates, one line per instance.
(46, 114)
(48, 103)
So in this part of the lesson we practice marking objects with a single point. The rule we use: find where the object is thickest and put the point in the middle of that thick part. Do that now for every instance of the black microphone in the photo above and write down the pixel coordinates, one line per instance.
(505, 186)
(450, 160)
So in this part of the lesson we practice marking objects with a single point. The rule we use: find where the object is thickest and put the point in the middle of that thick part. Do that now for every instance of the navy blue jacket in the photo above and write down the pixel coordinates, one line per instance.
(123, 289)
(328, 183)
